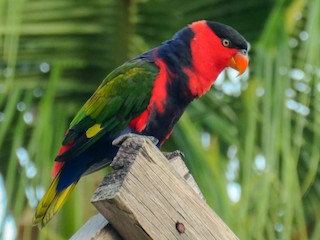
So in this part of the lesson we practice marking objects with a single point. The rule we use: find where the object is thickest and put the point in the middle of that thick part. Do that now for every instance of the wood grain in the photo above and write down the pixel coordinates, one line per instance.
(148, 199)
(96, 228)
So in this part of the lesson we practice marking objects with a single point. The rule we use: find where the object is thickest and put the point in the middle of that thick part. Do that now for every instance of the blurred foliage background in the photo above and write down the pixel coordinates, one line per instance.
(252, 143)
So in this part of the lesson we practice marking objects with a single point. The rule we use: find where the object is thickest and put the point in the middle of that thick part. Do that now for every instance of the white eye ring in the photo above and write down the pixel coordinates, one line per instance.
(225, 42)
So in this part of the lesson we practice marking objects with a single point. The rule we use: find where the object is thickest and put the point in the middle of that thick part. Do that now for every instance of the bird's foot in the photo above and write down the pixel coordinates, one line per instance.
(171, 155)
(119, 140)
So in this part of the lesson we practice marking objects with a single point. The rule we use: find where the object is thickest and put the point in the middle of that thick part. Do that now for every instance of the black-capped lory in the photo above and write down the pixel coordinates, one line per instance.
(146, 95)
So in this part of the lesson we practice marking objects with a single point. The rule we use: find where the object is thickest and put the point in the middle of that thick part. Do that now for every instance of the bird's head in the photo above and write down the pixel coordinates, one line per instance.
(216, 46)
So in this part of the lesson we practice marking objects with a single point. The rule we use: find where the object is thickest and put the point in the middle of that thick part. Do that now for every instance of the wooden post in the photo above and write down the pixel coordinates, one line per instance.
(97, 228)
(146, 198)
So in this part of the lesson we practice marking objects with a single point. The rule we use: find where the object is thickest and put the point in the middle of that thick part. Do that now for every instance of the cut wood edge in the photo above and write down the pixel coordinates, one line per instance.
(112, 198)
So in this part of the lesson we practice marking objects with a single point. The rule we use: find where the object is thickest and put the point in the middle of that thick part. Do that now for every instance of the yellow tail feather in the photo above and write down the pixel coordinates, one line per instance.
(51, 203)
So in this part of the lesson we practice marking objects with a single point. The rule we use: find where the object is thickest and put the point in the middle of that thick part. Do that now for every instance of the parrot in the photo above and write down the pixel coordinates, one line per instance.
(146, 96)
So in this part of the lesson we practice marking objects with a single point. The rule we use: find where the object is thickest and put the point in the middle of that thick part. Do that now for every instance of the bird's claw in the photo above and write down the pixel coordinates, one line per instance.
(119, 140)
(171, 155)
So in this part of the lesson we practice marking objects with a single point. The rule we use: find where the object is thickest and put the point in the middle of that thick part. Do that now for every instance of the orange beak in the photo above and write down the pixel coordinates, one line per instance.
(239, 62)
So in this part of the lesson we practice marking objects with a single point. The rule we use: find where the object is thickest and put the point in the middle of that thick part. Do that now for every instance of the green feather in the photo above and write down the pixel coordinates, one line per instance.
(123, 95)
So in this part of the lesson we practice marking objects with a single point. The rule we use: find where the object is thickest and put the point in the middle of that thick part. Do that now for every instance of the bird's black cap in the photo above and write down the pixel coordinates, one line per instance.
(226, 32)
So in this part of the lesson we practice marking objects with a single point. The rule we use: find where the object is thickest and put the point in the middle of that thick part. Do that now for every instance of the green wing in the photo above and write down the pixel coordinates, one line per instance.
(123, 95)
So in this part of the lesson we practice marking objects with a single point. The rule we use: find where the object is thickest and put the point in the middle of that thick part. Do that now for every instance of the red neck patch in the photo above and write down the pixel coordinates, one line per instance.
(209, 58)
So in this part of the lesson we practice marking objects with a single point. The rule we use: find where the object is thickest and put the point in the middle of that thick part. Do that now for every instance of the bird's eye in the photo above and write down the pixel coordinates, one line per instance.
(225, 42)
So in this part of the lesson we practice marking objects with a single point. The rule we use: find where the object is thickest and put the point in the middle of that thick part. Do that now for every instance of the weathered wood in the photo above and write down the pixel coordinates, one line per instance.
(96, 228)
(147, 199)
(180, 167)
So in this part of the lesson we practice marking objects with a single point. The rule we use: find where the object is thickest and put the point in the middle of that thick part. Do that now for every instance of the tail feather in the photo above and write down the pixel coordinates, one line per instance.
(51, 203)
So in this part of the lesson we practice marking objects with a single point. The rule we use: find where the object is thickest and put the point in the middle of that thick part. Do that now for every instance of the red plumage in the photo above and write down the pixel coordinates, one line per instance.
(58, 165)
(157, 100)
